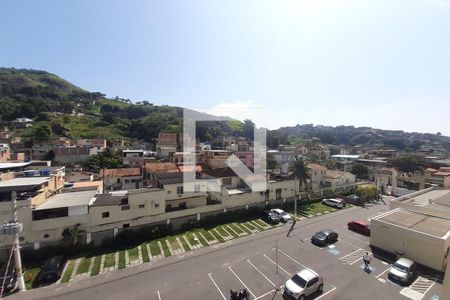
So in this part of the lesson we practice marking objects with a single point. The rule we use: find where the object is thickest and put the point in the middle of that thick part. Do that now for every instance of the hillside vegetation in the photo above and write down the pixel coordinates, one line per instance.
(59, 108)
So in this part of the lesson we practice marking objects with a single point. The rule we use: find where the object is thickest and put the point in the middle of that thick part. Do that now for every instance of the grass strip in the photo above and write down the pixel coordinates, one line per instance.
(96, 265)
(83, 267)
(68, 273)
(121, 259)
(144, 251)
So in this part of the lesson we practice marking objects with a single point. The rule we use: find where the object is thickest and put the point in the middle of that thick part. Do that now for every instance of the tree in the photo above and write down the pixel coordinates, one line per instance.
(72, 237)
(301, 171)
(248, 129)
(105, 159)
(408, 163)
(368, 192)
(272, 164)
(43, 132)
(360, 170)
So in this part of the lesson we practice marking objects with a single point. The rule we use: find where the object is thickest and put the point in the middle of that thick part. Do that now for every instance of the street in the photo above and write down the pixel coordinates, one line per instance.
(251, 263)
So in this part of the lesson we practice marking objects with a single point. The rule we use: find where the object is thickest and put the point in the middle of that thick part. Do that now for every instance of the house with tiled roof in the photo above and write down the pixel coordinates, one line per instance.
(122, 178)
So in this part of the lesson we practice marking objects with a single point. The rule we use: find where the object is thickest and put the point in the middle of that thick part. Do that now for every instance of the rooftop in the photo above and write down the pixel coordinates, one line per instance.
(345, 156)
(169, 178)
(435, 226)
(108, 199)
(68, 200)
(13, 165)
(121, 172)
(161, 167)
(436, 199)
(220, 172)
(22, 183)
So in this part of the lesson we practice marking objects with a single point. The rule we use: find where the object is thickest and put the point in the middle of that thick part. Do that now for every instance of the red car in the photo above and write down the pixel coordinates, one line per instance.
(362, 227)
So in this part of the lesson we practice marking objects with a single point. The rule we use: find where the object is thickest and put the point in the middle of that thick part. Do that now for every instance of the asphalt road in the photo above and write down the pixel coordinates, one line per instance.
(250, 262)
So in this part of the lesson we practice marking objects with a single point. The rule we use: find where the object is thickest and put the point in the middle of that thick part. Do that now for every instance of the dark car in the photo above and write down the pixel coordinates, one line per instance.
(9, 277)
(271, 217)
(52, 269)
(362, 227)
(324, 237)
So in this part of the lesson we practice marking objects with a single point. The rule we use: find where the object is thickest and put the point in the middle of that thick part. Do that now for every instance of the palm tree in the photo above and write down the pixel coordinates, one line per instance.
(301, 171)
(71, 237)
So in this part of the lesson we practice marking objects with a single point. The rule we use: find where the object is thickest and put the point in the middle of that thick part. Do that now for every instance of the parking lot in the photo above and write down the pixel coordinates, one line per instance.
(340, 264)
(251, 262)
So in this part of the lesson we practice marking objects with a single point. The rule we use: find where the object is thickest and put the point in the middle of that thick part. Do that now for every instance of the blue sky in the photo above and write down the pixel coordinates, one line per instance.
(384, 64)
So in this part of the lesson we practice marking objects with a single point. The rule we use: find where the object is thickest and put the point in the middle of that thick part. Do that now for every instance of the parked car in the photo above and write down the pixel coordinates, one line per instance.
(324, 237)
(271, 217)
(284, 216)
(403, 271)
(362, 227)
(338, 203)
(52, 269)
(303, 284)
(9, 277)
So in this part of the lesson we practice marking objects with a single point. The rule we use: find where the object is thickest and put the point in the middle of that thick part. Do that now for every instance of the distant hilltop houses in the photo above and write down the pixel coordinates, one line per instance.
(54, 184)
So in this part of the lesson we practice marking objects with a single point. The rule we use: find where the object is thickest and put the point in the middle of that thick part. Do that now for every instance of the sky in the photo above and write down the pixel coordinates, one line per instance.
(378, 63)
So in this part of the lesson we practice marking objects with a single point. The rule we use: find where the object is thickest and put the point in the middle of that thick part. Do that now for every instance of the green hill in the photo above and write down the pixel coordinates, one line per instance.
(71, 111)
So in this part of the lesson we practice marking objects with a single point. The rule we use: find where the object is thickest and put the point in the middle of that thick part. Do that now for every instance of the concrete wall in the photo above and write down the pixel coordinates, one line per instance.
(423, 249)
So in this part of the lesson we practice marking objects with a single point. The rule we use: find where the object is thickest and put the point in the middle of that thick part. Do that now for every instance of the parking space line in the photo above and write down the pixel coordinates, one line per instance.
(215, 284)
(381, 274)
(294, 260)
(242, 282)
(348, 243)
(268, 293)
(278, 265)
(323, 295)
(262, 274)
(355, 238)
(159, 295)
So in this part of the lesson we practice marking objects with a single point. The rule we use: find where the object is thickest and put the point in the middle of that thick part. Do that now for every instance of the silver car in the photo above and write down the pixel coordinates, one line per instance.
(304, 283)
(284, 216)
(403, 270)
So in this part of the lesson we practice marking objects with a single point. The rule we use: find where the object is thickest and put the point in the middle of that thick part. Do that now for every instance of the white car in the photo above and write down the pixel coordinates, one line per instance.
(338, 203)
(303, 284)
(284, 216)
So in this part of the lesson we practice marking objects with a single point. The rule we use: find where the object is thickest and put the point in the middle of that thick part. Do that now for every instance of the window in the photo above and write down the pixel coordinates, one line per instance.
(156, 205)
(46, 236)
(226, 181)
(179, 190)
(118, 180)
(124, 201)
(182, 205)
(127, 181)
(141, 205)
(105, 214)
(126, 225)
(196, 188)
(168, 206)
(125, 207)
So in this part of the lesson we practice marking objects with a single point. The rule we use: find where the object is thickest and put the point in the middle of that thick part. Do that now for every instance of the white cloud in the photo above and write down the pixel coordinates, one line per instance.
(240, 110)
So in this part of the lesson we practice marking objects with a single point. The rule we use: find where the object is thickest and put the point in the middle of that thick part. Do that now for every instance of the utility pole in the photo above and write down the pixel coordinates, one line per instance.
(13, 228)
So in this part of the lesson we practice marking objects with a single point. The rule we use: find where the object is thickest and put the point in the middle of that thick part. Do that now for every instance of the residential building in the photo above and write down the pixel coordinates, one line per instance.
(5, 153)
(167, 144)
(22, 122)
(176, 197)
(345, 161)
(95, 146)
(79, 176)
(122, 179)
(137, 158)
(71, 155)
(216, 158)
(322, 177)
